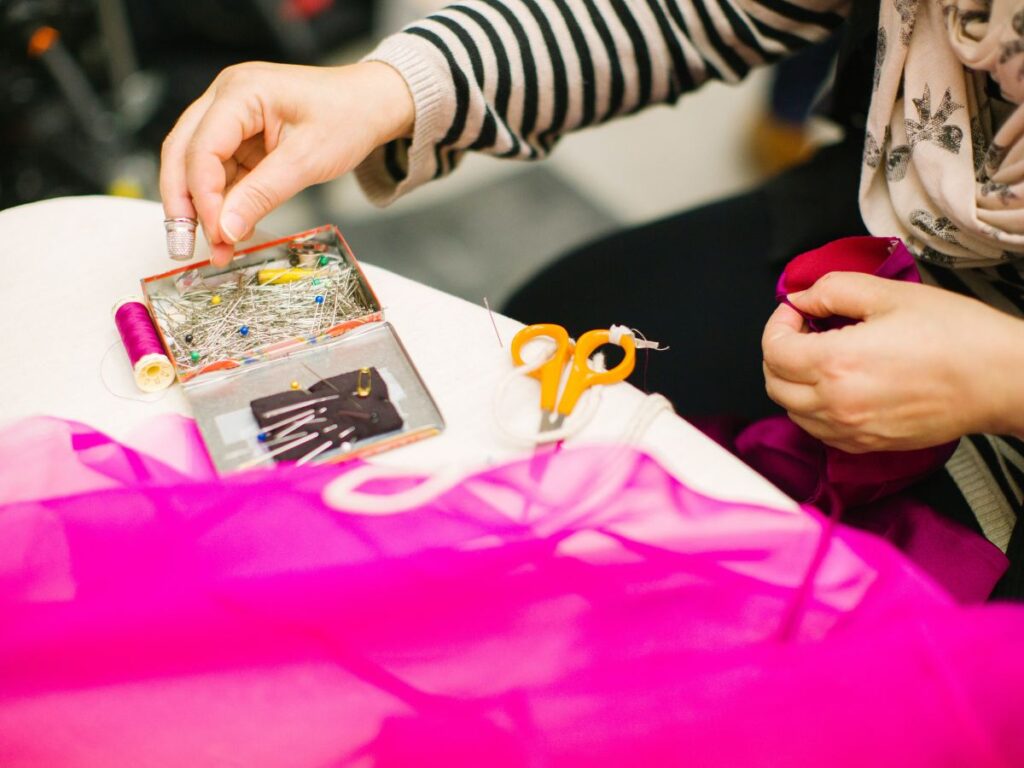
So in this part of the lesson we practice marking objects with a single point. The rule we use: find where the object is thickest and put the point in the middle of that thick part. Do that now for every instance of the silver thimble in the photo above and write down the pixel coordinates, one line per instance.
(181, 237)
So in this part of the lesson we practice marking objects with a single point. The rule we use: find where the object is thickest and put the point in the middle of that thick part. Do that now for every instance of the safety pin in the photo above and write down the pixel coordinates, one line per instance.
(304, 404)
(363, 390)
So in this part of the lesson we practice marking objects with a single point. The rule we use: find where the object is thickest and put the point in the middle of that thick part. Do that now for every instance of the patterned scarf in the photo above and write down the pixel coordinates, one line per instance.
(944, 161)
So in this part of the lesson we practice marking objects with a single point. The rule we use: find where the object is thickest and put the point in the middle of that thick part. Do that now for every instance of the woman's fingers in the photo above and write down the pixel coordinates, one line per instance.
(793, 396)
(229, 121)
(790, 352)
(174, 189)
(279, 176)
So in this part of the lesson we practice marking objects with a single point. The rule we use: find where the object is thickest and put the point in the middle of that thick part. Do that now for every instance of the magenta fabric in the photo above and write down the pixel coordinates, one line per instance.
(867, 488)
(880, 256)
(591, 611)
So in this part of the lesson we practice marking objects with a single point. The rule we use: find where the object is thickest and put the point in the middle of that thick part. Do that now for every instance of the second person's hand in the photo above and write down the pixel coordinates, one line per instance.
(263, 132)
(923, 367)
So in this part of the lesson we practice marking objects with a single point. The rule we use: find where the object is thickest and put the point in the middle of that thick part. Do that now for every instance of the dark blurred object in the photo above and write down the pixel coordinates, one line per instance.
(89, 88)
(781, 137)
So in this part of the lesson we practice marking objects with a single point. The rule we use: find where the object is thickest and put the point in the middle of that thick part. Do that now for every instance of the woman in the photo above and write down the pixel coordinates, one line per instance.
(928, 91)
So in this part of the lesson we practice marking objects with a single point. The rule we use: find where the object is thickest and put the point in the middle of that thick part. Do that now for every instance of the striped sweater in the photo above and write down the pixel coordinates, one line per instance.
(509, 77)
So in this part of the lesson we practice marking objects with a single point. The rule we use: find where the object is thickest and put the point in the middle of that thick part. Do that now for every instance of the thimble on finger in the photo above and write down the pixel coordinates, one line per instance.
(181, 237)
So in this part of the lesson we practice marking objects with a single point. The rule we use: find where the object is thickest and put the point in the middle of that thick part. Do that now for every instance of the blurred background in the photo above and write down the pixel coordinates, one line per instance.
(89, 88)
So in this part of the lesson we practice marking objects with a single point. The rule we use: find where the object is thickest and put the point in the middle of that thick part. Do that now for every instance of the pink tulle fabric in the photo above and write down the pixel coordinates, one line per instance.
(580, 608)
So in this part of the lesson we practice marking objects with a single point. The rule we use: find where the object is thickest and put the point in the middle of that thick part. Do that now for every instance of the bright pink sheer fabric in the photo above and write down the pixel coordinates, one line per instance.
(584, 608)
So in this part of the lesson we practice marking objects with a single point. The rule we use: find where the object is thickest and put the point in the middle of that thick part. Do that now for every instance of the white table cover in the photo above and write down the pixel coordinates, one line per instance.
(65, 263)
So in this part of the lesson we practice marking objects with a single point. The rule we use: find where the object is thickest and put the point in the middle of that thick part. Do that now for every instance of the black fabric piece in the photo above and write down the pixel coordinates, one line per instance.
(263, 405)
(371, 415)
(941, 493)
(367, 416)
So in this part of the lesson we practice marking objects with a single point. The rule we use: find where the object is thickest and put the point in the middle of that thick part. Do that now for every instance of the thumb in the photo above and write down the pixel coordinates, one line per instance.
(848, 294)
(276, 178)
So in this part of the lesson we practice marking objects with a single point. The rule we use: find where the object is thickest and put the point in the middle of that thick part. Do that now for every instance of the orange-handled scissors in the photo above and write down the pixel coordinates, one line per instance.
(581, 376)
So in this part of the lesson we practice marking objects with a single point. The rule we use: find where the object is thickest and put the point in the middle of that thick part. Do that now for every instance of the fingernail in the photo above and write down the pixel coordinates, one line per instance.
(232, 226)
(795, 295)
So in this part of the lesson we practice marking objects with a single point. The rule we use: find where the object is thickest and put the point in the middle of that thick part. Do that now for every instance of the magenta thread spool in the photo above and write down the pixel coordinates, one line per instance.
(150, 366)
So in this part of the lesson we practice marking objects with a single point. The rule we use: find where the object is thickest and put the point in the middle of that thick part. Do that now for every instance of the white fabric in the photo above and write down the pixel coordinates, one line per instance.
(67, 261)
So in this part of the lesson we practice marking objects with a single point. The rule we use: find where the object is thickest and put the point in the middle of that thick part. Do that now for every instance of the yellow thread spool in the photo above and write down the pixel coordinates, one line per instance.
(286, 275)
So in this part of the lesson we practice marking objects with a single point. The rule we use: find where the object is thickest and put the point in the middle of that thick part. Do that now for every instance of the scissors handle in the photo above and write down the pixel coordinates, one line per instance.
(582, 376)
(550, 373)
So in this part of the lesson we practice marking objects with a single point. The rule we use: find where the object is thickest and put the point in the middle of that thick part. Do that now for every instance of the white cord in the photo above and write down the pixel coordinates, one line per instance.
(649, 409)
(343, 492)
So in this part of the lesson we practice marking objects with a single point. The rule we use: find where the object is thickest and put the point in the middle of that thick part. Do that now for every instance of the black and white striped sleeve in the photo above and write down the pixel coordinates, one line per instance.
(509, 77)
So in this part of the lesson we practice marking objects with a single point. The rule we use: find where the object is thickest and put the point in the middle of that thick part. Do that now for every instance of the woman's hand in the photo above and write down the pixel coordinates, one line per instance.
(925, 366)
(263, 132)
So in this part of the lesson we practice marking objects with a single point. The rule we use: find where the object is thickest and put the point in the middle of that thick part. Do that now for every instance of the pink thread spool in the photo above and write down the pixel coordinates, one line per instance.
(150, 366)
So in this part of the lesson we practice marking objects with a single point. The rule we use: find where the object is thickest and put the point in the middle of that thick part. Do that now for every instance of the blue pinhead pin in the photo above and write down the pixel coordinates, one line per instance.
(244, 330)
(319, 299)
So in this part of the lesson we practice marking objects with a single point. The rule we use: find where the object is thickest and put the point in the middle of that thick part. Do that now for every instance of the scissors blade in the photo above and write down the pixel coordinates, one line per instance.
(545, 421)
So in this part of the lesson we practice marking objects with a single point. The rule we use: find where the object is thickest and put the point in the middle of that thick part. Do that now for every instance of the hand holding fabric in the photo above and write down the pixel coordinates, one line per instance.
(922, 367)
(263, 132)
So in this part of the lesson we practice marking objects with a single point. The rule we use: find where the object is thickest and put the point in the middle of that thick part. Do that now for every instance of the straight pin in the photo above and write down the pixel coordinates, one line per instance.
(304, 404)
(276, 452)
(295, 425)
(314, 453)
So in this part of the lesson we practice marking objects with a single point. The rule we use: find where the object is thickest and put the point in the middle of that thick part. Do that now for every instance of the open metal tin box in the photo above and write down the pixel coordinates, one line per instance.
(305, 345)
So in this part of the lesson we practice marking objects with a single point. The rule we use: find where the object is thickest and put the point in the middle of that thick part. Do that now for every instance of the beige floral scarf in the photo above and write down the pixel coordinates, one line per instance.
(944, 160)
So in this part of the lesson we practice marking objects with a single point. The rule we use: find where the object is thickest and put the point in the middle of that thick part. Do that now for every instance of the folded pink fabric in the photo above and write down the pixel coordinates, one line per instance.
(583, 608)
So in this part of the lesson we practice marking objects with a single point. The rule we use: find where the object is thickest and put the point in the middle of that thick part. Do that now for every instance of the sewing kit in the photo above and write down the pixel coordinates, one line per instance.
(284, 355)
